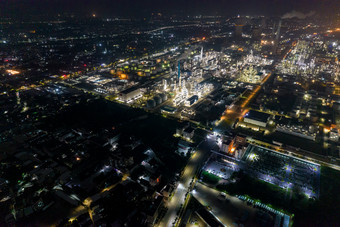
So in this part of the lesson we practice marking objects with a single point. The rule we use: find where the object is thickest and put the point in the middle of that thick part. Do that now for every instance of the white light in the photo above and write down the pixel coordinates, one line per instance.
(288, 168)
(219, 141)
(253, 157)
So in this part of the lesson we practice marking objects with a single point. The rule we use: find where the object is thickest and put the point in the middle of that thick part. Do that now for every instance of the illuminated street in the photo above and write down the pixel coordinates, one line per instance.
(183, 185)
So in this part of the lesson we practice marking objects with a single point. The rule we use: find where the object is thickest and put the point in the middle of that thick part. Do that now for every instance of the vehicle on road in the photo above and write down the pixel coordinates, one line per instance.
(222, 196)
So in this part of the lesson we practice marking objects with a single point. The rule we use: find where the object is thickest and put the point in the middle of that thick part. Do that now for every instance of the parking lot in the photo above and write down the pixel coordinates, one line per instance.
(232, 211)
(221, 168)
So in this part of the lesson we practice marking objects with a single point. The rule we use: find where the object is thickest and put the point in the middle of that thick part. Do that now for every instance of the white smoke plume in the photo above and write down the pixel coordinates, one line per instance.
(299, 15)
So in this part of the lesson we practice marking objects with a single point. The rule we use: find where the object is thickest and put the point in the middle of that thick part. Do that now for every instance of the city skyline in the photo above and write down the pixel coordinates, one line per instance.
(136, 8)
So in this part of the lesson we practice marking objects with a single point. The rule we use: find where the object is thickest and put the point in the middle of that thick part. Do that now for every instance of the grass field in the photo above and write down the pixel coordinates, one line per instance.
(209, 178)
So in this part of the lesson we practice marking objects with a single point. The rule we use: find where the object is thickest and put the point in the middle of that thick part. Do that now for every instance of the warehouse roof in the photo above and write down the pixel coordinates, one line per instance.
(258, 116)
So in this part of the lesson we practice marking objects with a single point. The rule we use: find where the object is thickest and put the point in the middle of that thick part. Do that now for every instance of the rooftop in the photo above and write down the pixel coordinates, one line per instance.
(127, 91)
(258, 116)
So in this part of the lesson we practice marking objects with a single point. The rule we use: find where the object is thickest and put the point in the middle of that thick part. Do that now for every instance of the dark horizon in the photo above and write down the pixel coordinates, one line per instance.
(137, 8)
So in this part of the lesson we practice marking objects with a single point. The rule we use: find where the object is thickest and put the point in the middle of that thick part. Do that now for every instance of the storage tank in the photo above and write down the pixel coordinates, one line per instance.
(151, 103)
(164, 97)
(158, 99)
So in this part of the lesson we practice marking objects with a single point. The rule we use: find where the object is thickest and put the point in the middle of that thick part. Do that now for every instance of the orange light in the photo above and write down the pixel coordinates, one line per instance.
(123, 76)
(229, 111)
(232, 150)
(326, 130)
(12, 72)
(77, 158)
(245, 112)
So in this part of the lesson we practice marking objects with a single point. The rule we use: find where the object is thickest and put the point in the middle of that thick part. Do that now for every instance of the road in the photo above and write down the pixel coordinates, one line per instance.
(237, 111)
(226, 211)
(189, 172)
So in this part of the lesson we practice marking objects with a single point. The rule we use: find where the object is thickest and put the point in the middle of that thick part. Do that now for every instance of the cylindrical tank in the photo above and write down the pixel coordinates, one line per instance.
(311, 129)
(158, 99)
(164, 97)
(151, 103)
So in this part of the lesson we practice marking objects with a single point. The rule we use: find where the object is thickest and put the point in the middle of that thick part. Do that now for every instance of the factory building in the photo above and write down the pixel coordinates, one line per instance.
(168, 109)
(192, 100)
(188, 133)
(130, 94)
(227, 145)
(334, 135)
(257, 118)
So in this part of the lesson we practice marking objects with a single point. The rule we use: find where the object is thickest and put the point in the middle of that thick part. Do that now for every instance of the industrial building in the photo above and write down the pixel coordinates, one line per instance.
(130, 94)
(168, 109)
(257, 118)
(192, 100)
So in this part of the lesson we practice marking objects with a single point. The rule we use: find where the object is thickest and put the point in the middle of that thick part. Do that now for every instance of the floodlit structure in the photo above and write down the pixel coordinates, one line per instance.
(129, 95)
(257, 118)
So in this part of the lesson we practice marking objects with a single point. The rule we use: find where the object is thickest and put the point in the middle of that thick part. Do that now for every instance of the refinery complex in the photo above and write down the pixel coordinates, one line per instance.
(169, 113)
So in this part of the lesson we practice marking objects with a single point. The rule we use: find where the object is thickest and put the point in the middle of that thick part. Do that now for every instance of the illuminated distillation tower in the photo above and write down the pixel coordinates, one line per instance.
(165, 86)
(179, 75)
(201, 54)
(250, 57)
(184, 90)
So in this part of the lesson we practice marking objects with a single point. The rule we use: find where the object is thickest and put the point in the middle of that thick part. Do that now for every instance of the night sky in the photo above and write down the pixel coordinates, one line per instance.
(144, 7)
